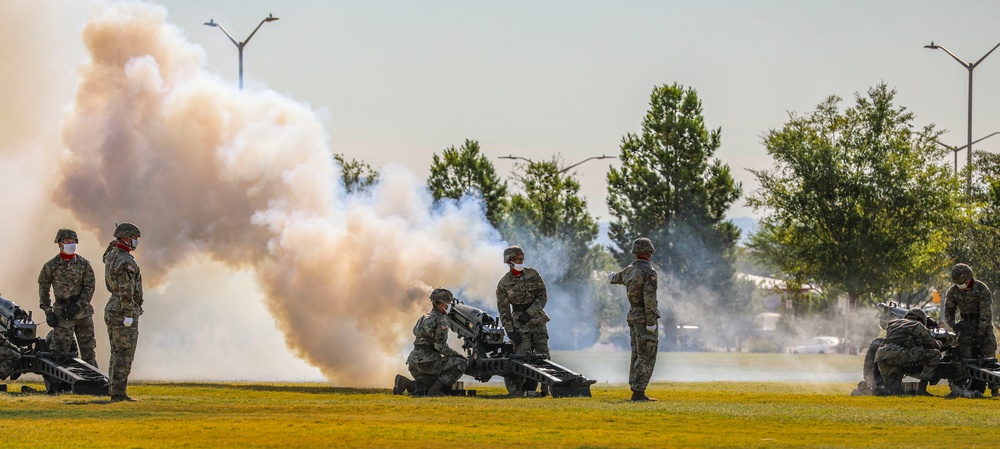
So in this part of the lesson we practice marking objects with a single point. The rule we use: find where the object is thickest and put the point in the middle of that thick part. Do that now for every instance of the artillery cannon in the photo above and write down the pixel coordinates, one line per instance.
(490, 354)
(60, 371)
(966, 377)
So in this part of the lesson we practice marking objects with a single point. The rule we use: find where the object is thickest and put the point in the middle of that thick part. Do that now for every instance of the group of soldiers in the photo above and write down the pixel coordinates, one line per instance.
(909, 342)
(521, 299)
(69, 278)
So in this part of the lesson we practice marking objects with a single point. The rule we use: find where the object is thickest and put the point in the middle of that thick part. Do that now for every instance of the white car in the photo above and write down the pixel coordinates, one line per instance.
(819, 345)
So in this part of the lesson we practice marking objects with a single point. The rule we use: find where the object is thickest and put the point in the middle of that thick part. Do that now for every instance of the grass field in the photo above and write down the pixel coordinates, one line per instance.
(689, 414)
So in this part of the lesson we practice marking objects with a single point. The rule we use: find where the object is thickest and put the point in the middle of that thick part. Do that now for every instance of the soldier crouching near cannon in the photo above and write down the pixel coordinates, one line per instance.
(432, 363)
(907, 342)
(70, 277)
(10, 360)
(973, 300)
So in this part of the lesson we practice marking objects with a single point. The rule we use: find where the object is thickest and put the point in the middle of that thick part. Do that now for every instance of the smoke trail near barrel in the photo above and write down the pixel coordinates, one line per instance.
(247, 179)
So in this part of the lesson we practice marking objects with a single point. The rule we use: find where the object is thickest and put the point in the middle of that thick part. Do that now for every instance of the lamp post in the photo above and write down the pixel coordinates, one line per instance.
(970, 67)
(564, 170)
(240, 45)
(957, 149)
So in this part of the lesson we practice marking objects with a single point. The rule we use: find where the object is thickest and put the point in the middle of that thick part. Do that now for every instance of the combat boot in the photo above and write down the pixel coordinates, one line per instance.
(122, 398)
(544, 391)
(922, 389)
(402, 385)
(436, 390)
(641, 396)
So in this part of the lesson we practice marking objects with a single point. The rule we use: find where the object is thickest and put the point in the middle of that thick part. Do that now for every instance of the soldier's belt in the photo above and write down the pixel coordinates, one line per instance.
(427, 347)
(67, 301)
(521, 307)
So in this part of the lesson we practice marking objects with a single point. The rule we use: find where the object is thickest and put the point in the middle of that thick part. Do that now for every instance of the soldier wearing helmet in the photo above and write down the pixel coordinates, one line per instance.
(907, 342)
(974, 302)
(521, 299)
(639, 279)
(432, 363)
(70, 278)
(124, 282)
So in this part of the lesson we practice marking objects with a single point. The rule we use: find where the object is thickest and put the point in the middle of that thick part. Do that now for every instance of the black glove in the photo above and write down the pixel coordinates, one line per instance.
(51, 319)
(515, 337)
(523, 318)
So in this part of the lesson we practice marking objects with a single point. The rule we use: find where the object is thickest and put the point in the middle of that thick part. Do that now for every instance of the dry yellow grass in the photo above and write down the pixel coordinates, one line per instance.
(734, 415)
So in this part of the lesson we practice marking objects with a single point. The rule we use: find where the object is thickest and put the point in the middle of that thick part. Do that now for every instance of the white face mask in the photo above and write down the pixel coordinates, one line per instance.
(519, 267)
(962, 285)
(135, 243)
(69, 248)
(447, 309)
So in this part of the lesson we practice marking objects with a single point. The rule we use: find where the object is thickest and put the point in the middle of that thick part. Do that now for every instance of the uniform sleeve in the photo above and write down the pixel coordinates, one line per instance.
(986, 310)
(926, 339)
(949, 308)
(541, 297)
(503, 306)
(649, 299)
(44, 285)
(89, 284)
(617, 278)
(441, 339)
(125, 274)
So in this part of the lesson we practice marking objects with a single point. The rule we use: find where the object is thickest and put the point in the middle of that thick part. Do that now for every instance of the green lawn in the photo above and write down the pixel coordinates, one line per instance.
(689, 414)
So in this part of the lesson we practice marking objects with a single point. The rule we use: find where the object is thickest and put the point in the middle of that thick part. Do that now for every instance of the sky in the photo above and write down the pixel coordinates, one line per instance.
(393, 83)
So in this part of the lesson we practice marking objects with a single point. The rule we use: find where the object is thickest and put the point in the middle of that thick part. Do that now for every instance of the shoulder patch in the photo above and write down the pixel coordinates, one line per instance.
(652, 277)
(129, 267)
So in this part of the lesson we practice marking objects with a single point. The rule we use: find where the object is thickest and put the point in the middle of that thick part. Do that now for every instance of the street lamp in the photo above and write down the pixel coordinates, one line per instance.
(970, 68)
(564, 170)
(240, 45)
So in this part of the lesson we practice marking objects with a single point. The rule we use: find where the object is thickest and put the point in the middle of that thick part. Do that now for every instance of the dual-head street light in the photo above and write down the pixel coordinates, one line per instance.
(240, 45)
(565, 169)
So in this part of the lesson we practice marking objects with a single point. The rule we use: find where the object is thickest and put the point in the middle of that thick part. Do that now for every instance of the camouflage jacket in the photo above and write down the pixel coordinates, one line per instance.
(639, 279)
(908, 333)
(67, 279)
(431, 339)
(524, 293)
(976, 304)
(124, 282)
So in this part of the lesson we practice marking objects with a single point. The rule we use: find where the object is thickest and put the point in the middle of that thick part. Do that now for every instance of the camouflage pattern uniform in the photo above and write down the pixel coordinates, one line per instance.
(521, 300)
(72, 283)
(639, 279)
(975, 303)
(124, 282)
(907, 341)
(432, 359)
(10, 358)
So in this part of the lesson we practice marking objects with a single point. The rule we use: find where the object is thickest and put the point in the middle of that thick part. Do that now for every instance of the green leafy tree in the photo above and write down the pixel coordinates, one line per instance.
(670, 190)
(356, 176)
(465, 170)
(858, 200)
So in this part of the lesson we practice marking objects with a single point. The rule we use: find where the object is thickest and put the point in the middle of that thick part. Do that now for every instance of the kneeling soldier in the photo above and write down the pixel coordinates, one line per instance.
(432, 363)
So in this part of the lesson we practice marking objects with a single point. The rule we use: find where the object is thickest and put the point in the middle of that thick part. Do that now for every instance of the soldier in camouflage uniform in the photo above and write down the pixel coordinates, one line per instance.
(907, 341)
(521, 299)
(432, 362)
(10, 360)
(71, 279)
(639, 279)
(975, 302)
(124, 282)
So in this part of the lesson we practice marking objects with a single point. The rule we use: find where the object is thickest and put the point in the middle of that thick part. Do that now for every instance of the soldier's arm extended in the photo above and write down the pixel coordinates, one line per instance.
(441, 339)
(44, 286)
(89, 284)
(616, 278)
(649, 299)
(541, 297)
(503, 306)
(926, 339)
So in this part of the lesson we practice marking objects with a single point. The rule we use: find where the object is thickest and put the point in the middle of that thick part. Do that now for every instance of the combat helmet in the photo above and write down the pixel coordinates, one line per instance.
(441, 296)
(66, 233)
(961, 274)
(916, 314)
(511, 252)
(126, 230)
(642, 245)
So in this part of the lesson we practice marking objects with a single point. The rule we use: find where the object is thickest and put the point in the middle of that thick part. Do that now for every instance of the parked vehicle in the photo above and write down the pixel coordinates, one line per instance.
(820, 345)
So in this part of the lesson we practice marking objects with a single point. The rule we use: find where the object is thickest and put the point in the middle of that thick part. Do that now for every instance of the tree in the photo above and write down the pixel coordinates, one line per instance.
(858, 200)
(356, 176)
(670, 190)
(458, 172)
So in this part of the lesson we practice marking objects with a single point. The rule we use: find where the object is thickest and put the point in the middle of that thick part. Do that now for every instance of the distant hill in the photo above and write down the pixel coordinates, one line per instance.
(746, 224)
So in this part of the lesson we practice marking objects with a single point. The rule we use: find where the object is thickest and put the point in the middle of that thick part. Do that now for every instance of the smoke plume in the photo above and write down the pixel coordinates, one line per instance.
(246, 179)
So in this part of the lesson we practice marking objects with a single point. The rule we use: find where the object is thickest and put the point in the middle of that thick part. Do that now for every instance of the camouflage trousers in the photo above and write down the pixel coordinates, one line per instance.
(10, 360)
(968, 339)
(83, 328)
(123, 341)
(644, 347)
(446, 369)
(892, 360)
(534, 337)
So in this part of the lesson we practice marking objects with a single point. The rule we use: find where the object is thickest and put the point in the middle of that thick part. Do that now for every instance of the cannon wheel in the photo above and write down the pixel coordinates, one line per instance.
(872, 375)
(55, 386)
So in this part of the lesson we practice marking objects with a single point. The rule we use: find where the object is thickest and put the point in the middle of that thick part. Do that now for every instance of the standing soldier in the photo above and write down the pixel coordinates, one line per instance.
(71, 279)
(973, 299)
(640, 284)
(121, 275)
(521, 299)
(907, 341)
(432, 362)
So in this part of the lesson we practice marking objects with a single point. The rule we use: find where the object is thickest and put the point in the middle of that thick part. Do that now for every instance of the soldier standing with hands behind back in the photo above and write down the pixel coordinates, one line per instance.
(121, 275)
(639, 279)
(71, 279)
(521, 299)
